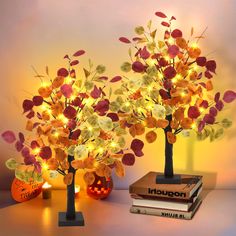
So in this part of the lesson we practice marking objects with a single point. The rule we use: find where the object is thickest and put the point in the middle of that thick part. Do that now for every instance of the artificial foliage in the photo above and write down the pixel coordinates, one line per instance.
(168, 84)
(71, 117)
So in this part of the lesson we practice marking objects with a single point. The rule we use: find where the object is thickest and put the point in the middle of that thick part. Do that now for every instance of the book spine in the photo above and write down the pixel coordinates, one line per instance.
(158, 193)
(161, 212)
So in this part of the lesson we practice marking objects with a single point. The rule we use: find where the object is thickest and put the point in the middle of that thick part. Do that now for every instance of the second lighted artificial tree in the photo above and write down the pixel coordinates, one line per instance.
(70, 127)
(169, 85)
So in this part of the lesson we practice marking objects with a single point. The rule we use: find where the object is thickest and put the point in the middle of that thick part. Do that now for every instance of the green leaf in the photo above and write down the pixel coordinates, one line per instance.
(100, 69)
(219, 133)
(139, 30)
(226, 123)
(11, 164)
(126, 67)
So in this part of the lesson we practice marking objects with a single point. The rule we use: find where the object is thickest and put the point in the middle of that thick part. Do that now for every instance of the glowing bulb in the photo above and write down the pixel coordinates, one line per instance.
(174, 80)
(171, 41)
(193, 126)
(72, 97)
(167, 58)
(201, 109)
(90, 147)
(36, 151)
(182, 94)
(149, 106)
(140, 109)
(90, 128)
(149, 88)
(127, 104)
(151, 62)
(113, 144)
(45, 166)
(88, 101)
(56, 134)
(100, 150)
(194, 45)
(44, 107)
(44, 84)
(62, 118)
(178, 76)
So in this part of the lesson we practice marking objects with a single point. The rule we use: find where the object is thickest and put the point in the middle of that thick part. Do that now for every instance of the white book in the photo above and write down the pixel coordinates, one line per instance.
(170, 205)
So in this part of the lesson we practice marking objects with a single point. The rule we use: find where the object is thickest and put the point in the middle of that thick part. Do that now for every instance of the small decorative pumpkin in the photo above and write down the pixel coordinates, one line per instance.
(22, 191)
(101, 187)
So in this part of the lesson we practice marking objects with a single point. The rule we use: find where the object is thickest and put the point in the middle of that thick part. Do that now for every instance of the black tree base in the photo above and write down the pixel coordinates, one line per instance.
(162, 179)
(63, 221)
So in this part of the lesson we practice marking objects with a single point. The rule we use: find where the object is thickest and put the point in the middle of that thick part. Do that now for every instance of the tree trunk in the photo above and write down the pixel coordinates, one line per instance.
(168, 152)
(70, 213)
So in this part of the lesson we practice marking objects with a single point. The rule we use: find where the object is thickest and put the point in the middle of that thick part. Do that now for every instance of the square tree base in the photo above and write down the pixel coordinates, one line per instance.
(162, 179)
(63, 221)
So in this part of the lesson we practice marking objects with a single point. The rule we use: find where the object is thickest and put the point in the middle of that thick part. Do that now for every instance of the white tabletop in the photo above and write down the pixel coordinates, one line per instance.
(216, 216)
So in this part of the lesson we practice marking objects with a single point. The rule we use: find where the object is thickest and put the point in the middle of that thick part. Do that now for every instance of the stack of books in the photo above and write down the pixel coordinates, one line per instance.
(167, 200)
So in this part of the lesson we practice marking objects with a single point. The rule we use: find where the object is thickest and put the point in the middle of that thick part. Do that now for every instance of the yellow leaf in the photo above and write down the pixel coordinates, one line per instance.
(68, 178)
(89, 178)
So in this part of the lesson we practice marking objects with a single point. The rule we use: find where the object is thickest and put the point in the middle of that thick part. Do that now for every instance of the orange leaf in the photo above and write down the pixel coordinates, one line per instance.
(60, 154)
(162, 123)
(179, 114)
(137, 129)
(194, 52)
(65, 165)
(89, 178)
(151, 136)
(186, 123)
(89, 162)
(209, 85)
(68, 178)
(181, 42)
(151, 122)
(57, 82)
(174, 124)
(119, 169)
(77, 164)
(29, 125)
(52, 164)
(45, 92)
(171, 137)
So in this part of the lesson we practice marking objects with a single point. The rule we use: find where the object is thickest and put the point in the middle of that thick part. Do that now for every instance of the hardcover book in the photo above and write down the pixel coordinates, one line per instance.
(171, 205)
(147, 186)
(187, 215)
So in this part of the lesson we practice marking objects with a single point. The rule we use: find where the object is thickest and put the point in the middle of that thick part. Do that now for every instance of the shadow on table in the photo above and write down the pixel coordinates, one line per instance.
(6, 199)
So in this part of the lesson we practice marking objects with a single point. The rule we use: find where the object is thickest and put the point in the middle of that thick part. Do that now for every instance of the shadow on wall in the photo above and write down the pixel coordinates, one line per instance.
(209, 178)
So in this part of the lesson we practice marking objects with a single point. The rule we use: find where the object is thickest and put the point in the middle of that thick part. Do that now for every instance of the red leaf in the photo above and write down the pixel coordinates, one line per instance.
(103, 78)
(211, 65)
(201, 126)
(213, 111)
(193, 112)
(201, 61)
(79, 53)
(208, 74)
(66, 57)
(164, 95)
(116, 79)
(66, 90)
(204, 104)
(209, 119)
(144, 53)
(37, 100)
(219, 105)
(137, 145)
(62, 72)
(71, 124)
(19, 146)
(173, 18)
(169, 72)
(75, 134)
(96, 93)
(25, 152)
(70, 112)
(166, 24)
(29, 160)
(102, 107)
(30, 115)
(217, 97)
(27, 105)
(9, 136)
(137, 66)
(173, 51)
(176, 33)
(128, 159)
(45, 152)
(124, 40)
(229, 96)
(136, 38)
(38, 167)
(160, 14)
(75, 62)
(167, 34)
(21, 137)
(113, 116)
(163, 62)
(167, 84)
(77, 102)
(34, 144)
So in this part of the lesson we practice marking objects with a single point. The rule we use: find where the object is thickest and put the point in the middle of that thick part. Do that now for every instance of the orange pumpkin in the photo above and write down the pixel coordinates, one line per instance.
(22, 191)
(101, 187)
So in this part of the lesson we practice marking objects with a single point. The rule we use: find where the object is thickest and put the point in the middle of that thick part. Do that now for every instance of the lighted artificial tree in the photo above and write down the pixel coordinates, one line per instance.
(169, 85)
(71, 127)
